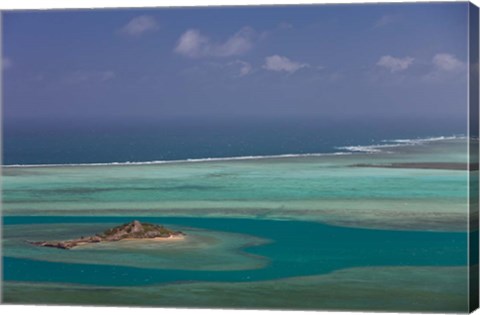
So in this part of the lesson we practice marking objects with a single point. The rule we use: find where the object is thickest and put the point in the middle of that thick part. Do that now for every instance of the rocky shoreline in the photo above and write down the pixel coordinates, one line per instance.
(132, 230)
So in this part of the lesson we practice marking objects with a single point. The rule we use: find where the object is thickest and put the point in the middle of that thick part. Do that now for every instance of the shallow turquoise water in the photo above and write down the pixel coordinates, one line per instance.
(298, 248)
(325, 188)
(293, 216)
(273, 218)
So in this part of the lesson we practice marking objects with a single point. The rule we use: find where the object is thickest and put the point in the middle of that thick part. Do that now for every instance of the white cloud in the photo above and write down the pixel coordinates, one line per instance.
(245, 68)
(445, 67)
(280, 63)
(193, 44)
(139, 25)
(447, 62)
(395, 64)
(6, 63)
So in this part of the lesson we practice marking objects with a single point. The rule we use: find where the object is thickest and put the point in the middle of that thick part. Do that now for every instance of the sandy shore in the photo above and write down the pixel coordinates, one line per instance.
(171, 238)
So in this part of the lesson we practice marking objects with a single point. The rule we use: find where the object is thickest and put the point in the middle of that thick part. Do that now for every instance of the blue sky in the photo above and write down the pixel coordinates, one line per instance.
(392, 60)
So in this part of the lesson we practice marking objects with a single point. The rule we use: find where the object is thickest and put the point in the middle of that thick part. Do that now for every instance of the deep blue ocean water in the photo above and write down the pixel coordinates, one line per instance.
(106, 142)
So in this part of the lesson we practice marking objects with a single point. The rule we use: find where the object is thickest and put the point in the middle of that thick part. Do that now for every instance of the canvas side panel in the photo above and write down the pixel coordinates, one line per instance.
(473, 156)
(1, 156)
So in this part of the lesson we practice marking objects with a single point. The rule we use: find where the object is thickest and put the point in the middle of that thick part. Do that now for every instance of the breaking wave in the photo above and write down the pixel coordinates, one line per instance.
(344, 150)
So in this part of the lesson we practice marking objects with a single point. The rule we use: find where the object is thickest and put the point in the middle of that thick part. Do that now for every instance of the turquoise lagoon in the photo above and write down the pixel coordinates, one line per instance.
(331, 231)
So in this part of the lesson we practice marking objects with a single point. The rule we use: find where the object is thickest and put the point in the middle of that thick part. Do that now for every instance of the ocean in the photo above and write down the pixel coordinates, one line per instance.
(334, 211)
(181, 139)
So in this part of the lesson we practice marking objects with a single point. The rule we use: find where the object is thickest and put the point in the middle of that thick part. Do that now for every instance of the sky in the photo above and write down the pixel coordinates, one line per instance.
(325, 61)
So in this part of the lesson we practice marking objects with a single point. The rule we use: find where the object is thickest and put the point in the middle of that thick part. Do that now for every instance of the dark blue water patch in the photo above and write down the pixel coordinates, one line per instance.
(297, 249)
(36, 143)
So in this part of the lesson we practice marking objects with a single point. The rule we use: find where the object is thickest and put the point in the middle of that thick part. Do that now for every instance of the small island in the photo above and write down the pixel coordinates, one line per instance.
(127, 231)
